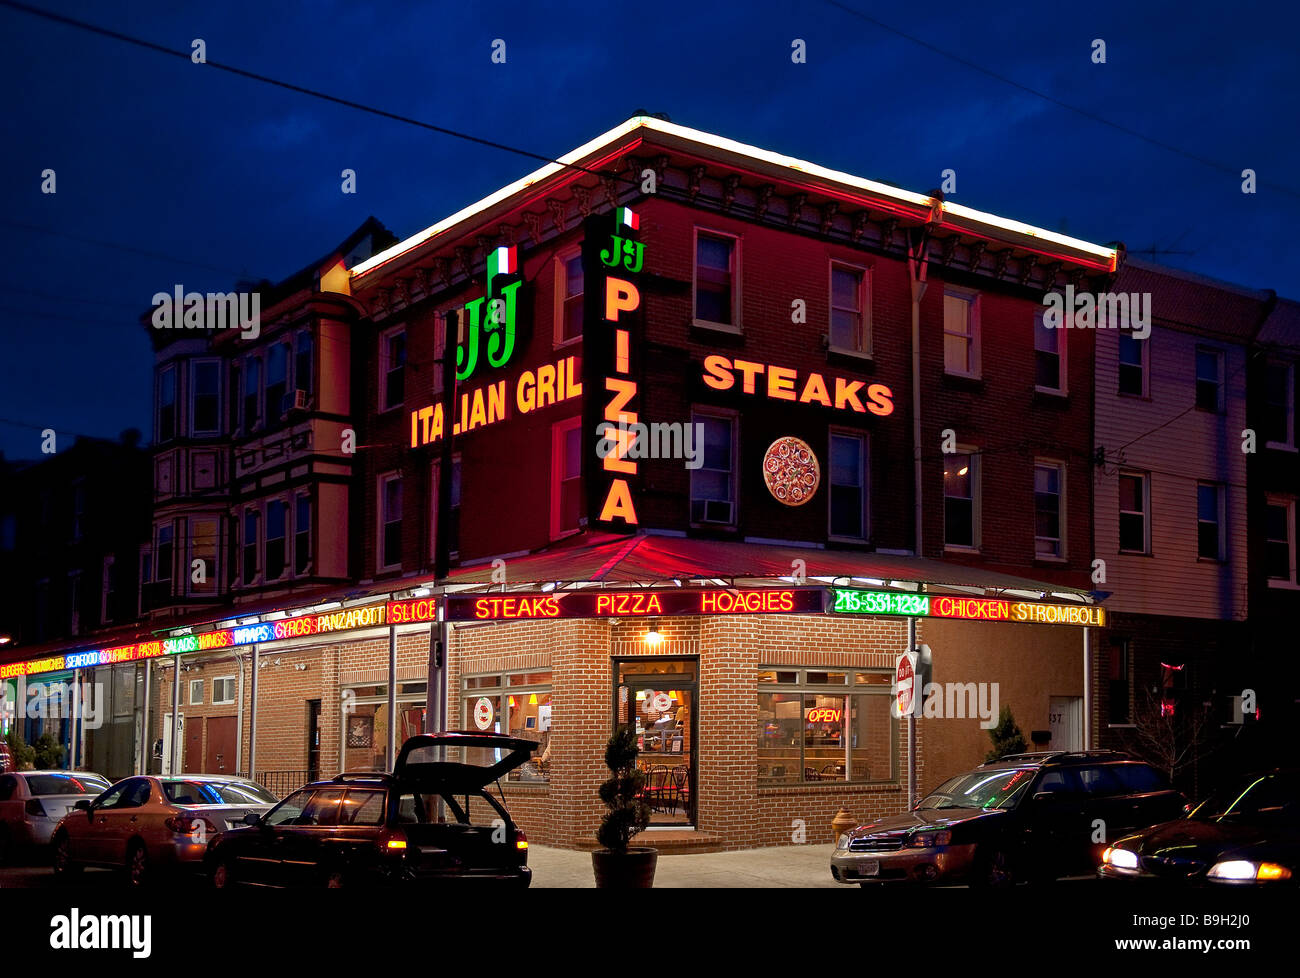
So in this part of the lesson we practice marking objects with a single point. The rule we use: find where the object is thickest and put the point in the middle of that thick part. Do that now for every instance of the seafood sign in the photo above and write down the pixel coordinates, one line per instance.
(791, 471)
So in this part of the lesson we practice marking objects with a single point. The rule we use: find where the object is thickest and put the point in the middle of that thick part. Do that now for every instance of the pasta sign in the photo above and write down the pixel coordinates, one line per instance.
(612, 261)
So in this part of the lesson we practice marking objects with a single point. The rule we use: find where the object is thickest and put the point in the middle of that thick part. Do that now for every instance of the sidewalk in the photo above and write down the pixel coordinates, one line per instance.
(785, 866)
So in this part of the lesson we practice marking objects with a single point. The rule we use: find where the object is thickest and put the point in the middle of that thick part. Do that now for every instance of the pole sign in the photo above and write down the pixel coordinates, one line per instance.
(905, 698)
(612, 259)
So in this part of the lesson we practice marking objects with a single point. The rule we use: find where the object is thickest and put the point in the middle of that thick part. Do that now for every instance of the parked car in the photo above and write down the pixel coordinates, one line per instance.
(431, 820)
(149, 823)
(32, 802)
(6, 758)
(1024, 817)
(1246, 833)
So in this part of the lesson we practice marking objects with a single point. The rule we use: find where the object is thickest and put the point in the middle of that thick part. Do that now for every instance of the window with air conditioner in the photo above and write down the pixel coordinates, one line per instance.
(713, 484)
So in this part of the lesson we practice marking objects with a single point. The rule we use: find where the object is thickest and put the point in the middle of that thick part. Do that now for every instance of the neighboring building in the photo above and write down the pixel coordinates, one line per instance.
(1273, 477)
(1171, 513)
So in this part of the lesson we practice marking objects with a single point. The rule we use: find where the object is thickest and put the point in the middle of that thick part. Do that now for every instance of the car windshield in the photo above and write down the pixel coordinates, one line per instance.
(66, 784)
(217, 793)
(1275, 797)
(981, 789)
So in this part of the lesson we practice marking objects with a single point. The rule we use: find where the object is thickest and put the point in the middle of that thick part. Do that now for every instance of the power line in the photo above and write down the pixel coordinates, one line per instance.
(1087, 114)
(300, 89)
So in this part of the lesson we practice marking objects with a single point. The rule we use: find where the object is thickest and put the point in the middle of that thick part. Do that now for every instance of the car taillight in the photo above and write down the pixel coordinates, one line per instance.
(521, 840)
(395, 842)
(34, 807)
(189, 825)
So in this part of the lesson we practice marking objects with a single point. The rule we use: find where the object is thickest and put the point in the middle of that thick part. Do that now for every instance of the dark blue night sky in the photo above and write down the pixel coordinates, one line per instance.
(233, 178)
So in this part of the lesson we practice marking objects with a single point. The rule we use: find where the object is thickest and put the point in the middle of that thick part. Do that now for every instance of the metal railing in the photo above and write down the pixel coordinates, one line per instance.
(283, 783)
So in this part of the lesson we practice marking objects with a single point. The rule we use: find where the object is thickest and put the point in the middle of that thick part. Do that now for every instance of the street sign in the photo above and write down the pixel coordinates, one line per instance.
(905, 683)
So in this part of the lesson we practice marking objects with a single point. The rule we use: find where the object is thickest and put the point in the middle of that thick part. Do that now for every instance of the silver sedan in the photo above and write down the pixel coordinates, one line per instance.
(32, 802)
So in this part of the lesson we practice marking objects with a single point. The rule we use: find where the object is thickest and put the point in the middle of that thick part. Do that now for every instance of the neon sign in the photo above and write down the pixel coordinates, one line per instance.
(612, 260)
(634, 604)
(854, 602)
(782, 383)
(496, 331)
(824, 714)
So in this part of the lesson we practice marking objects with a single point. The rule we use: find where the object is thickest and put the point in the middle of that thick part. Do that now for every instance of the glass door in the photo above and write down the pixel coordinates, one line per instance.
(657, 698)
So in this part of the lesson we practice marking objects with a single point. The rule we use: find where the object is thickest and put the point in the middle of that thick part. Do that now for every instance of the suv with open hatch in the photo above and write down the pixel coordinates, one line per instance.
(431, 820)
(1024, 817)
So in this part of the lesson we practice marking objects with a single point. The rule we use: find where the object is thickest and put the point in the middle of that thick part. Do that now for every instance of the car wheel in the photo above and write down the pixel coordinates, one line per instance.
(63, 864)
(223, 876)
(137, 865)
(994, 871)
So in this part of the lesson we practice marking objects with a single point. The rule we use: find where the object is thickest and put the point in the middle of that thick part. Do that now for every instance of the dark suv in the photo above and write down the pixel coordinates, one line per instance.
(1022, 817)
(431, 820)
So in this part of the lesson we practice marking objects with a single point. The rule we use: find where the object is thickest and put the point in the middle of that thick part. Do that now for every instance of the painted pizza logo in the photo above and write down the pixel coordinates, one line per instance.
(791, 471)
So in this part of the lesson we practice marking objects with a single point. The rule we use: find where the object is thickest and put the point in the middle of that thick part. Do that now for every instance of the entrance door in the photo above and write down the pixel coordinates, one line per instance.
(220, 757)
(657, 698)
(168, 729)
(313, 740)
(1065, 719)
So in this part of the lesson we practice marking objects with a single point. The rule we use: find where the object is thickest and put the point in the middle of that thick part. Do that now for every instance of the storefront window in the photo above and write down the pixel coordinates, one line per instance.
(517, 704)
(366, 720)
(817, 732)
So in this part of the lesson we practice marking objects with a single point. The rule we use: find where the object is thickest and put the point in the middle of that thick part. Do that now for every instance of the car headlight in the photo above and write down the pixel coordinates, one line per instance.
(1238, 870)
(842, 842)
(1120, 858)
(927, 840)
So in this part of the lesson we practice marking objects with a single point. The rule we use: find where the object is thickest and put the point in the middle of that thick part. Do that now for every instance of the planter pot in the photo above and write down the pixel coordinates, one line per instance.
(634, 869)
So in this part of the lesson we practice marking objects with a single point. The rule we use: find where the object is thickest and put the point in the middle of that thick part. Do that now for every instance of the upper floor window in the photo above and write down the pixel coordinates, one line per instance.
(163, 548)
(1049, 357)
(850, 309)
(713, 484)
(961, 502)
(303, 364)
(1209, 380)
(167, 403)
(452, 528)
(205, 397)
(961, 341)
(848, 486)
(1279, 528)
(301, 533)
(1209, 520)
(1132, 365)
(716, 268)
(252, 393)
(248, 554)
(569, 288)
(205, 542)
(1134, 512)
(1049, 493)
(277, 380)
(390, 521)
(277, 528)
(566, 476)
(1279, 404)
(392, 369)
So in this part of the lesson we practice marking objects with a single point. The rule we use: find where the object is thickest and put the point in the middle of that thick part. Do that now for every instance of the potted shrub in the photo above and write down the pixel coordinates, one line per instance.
(619, 864)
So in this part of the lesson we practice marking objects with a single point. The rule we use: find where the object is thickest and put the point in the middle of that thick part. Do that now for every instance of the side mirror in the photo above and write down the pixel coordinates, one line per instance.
(252, 818)
(82, 805)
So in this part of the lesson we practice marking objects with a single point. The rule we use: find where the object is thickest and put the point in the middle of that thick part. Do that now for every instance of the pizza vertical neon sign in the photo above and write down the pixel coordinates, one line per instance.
(612, 263)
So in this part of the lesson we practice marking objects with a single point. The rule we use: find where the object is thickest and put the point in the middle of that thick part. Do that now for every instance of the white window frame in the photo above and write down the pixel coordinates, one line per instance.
(559, 430)
(196, 682)
(381, 482)
(234, 690)
(1288, 502)
(194, 429)
(736, 315)
(1288, 445)
(732, 417)
(1059, 466)
(1220, 394)
(1144, 346)
(1145, 478)
(864, 307)
(972, 299)
(1062, 388)
(1221, 494)
(977, 508)
(561, 286)
(385, 368)
(865, 473)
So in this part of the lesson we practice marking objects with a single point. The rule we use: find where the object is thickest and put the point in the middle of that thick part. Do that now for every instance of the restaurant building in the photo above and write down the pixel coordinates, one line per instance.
(859, 437)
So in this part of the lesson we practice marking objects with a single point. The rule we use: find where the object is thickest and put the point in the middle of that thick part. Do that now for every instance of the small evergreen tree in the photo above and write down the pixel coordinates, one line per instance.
(1006, 736)
(627, 814)
(48, 752)
(24, 756)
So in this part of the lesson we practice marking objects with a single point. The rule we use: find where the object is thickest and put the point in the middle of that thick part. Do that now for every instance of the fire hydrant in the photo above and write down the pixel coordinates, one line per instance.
(842, 822)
